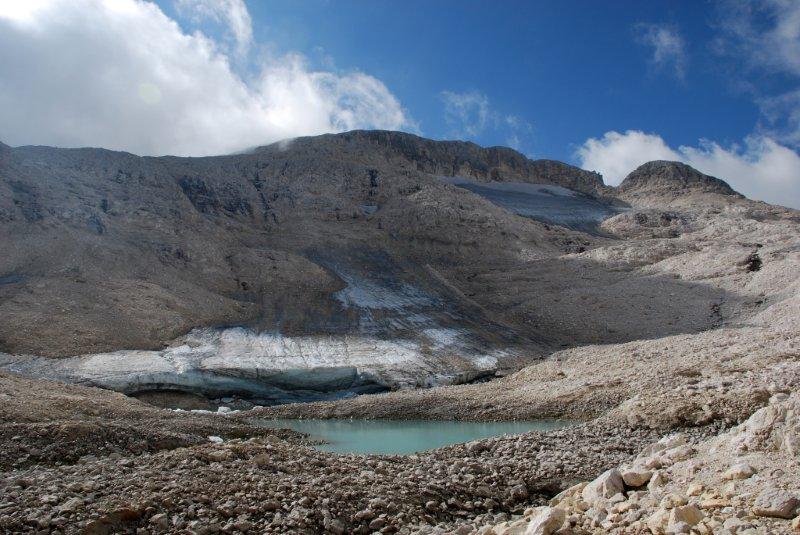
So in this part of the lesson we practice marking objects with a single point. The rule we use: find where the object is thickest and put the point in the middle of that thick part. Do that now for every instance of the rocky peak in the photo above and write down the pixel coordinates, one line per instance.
(666, 177)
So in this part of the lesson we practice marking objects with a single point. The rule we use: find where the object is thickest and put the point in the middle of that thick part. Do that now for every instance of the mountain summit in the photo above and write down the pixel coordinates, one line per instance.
(666, 177)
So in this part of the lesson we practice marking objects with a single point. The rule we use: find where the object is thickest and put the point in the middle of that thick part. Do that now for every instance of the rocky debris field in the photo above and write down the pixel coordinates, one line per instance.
(746, 480)
(663, 384)
(49, 423)
(275, 484)
(659, 381)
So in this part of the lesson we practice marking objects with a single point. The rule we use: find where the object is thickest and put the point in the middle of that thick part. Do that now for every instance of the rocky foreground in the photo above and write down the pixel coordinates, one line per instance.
(115, 471)
(743, 481)
(101, 463)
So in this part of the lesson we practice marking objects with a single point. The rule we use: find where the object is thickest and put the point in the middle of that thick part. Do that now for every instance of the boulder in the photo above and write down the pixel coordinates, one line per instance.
(714, 503)
(739, 471)
(694, 489)
(658, 521)
(666, 443)
(658, 480)
(71, 505)
(571, 492)
(546, 521)
(517, 527)
(734, 524)
(774, 426)
(605, 486)
(678, 527)
(678, 454)
(673, 500)
(160, 521)
(636, 477)
(776, 502)
(519, 492)
(689, 514)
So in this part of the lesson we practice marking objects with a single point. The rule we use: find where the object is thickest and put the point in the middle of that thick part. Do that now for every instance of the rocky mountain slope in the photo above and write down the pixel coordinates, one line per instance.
(748, 250)
(379, 259)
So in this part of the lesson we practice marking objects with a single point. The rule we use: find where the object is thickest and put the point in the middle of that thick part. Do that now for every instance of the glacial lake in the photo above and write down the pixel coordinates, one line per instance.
(403, 437)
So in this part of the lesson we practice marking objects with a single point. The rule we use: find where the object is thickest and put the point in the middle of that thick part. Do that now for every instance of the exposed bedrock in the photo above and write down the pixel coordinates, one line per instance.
(106, 250)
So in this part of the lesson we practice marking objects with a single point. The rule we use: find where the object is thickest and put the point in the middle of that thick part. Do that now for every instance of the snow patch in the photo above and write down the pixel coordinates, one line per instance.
(544, 202)
(277, 368)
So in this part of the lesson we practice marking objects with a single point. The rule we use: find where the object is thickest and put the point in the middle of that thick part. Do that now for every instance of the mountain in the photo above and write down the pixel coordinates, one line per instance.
(323, 266)
(671, 179)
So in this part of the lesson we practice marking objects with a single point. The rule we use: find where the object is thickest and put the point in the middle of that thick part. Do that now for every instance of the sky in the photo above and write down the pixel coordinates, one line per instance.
(606, 86)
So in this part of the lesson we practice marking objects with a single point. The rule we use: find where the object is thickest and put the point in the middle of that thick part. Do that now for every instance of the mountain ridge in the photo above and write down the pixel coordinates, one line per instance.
(454, 158)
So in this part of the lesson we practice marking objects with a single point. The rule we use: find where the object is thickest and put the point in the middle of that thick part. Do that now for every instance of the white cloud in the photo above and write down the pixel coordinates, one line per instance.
(233, 13)
(122, 75)
(668, 47)
(761, 169)
(764, 37)
(765, 32)
(516, 127)
(615, 155)
(782, 114)
(466, 114)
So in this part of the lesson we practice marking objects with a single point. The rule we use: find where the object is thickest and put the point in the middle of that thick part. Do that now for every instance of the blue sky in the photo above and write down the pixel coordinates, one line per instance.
(603, 85)
(571, 70)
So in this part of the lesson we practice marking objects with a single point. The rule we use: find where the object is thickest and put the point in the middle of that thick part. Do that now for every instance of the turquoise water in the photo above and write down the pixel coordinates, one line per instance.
(396, 437)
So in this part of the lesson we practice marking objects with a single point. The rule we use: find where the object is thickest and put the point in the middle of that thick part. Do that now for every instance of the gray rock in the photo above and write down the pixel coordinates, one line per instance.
(160, 520)
(776, 502)
(636, 477)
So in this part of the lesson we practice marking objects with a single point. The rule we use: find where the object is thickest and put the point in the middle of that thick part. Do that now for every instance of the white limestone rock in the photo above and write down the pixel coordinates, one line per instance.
(547, 521)
(688, 514)
(604, 486)
(636, 476)
(739, 471)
